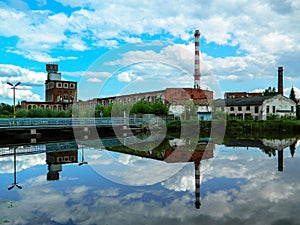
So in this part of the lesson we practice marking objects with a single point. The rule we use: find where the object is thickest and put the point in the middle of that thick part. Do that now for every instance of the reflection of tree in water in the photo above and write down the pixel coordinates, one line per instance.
(270, 152)
(144, 149)
(293, 149)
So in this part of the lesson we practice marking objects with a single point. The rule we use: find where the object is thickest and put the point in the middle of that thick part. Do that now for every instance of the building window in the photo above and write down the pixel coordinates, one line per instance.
(59, 108)
(268, 109)
(66, 85)
(51, 85)
(256, 109)
(66, 96)
(42, 107)
(248, 108)
(72, 85)
(58, 85)
(273, 109)
(240, 108)
(292, 109)
(231, 108)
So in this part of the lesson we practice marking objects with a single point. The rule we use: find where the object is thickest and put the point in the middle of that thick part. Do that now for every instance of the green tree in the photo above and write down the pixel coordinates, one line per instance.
(293, 95)
(118, 109)
(36, 112)
(270, 91)
(159, 108)
(21, 113)
(141, 107)
(6, 110)
(99, 110)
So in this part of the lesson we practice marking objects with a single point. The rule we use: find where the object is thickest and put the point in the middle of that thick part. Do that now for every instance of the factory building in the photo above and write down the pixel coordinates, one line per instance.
(243, 105)
(258, 108)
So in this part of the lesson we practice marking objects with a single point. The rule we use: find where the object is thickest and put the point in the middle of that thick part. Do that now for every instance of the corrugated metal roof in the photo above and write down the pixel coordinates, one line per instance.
(241, 101)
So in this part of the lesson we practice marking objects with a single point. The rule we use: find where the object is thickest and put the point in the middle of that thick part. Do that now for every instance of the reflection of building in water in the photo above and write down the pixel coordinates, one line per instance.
(268, 146)
(58, 154)
(204, 150)
(174, 151)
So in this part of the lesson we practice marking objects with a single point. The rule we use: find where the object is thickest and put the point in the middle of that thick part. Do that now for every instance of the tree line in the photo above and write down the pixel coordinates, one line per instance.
(80, 110)
(119, 109)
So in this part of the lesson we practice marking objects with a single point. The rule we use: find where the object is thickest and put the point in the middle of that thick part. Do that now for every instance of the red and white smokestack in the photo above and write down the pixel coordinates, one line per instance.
(197, 59)
(280, 80)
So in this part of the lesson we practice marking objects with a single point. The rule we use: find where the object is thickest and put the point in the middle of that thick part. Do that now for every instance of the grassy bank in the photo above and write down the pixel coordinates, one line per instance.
(239, 128)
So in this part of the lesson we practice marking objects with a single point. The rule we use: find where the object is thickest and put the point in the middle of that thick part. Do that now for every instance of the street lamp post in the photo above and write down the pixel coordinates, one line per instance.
(14, 95)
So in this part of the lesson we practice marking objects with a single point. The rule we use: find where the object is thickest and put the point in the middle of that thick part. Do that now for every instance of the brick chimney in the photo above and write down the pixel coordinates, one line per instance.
(280, 80)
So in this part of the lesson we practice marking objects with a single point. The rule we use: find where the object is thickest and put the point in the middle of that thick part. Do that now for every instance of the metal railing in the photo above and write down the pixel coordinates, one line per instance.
(44, 122)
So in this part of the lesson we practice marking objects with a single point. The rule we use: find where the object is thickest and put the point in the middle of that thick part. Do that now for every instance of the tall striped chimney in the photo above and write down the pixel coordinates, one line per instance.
(197, 184)
(197, 59)
(280, 80)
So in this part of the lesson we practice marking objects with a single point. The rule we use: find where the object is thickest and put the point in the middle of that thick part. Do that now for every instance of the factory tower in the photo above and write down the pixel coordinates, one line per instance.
(197, 60)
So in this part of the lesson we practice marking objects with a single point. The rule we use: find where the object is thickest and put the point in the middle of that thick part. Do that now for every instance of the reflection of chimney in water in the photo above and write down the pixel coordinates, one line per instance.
(280, 80)
(280, 159)
(197, 184)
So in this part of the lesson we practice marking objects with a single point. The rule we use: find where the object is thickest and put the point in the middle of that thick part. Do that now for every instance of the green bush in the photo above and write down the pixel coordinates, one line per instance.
(42, 113)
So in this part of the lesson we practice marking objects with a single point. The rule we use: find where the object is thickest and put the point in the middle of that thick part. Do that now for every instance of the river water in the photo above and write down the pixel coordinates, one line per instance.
(238, 182)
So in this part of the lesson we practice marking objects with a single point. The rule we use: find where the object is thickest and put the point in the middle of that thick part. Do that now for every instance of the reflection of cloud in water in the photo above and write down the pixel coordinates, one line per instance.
(270, 197)
(132, 170)
(23, 162)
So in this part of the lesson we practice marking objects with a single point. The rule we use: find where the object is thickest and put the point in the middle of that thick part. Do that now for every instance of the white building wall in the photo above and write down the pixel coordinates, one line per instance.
(176, 110)
(280, 106)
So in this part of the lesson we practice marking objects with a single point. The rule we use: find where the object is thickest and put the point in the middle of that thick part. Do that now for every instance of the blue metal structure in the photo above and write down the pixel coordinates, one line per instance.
(70, 122)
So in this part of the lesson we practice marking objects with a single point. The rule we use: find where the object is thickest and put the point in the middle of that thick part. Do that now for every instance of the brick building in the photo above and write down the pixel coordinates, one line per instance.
(228, 95)
(167, 96)
(60, 94)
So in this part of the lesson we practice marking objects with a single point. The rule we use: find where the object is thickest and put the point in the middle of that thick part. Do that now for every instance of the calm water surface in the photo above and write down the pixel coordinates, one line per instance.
(257, 184)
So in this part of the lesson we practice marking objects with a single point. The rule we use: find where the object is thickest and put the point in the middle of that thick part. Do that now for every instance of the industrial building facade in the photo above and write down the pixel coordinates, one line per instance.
(258, 108)
(167, 96)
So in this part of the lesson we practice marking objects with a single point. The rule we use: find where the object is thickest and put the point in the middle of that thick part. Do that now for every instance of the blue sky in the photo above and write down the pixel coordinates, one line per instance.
(115, 47)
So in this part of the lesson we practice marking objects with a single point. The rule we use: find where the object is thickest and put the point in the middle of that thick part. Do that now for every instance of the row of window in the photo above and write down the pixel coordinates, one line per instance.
(61, 159)
(61, 85)
(134, 99)
(59, 108)
(65, 85)
(269, 109)
(248, 108)
(60, 98)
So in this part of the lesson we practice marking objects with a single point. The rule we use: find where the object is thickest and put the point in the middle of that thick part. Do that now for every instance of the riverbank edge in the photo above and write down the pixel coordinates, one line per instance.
(239, 128)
